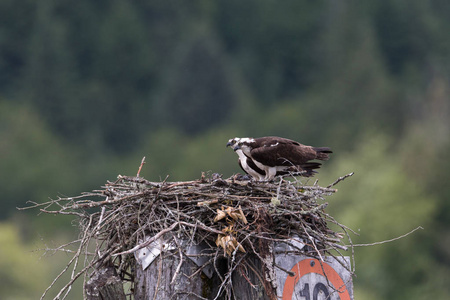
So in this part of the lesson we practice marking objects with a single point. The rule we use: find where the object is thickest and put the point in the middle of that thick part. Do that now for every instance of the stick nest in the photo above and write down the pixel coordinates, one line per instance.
(232, 217)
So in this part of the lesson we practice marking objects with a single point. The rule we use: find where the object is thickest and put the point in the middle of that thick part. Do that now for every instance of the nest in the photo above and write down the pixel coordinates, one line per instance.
(233, 217)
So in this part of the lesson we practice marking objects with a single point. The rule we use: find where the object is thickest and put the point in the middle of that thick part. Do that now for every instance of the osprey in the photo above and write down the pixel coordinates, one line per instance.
(272, 156)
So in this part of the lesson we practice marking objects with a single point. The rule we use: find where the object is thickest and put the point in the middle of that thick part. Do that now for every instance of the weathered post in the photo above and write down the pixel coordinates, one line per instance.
(249, 280)
(104, 284)
(166, 278)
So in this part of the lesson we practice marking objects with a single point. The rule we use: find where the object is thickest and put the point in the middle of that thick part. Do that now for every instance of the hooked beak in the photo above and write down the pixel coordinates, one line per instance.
(229, 144)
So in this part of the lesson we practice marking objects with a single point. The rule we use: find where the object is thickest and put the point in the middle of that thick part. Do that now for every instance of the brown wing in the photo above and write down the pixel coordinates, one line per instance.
(273, 151)
(271, 140)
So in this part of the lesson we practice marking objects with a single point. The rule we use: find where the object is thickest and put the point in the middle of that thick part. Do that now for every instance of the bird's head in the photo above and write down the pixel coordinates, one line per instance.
(241, 143)
(234, 143)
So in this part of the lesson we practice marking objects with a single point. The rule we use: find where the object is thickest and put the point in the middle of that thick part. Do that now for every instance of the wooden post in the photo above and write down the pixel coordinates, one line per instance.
(254, 279)
(105, 284)
(248, 282)
(165, 278)
(171, 277)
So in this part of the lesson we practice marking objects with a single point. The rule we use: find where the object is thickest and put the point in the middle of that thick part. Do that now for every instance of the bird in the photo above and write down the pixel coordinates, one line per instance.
(277, 156)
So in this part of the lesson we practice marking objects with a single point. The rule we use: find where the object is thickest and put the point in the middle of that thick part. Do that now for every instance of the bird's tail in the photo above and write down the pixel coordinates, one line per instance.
(306, 169)
(322, 152)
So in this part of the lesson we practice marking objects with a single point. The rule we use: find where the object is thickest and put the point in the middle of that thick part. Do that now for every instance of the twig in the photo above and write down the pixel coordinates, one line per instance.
(140, 167)
(388, 241)
(314, 244)
(175, 275)
(149, 241)
(284, 270)
(67, 266)
(340, 179)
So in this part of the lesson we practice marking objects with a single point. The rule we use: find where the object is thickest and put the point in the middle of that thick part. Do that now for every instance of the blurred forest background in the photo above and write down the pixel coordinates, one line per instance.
(87, 88)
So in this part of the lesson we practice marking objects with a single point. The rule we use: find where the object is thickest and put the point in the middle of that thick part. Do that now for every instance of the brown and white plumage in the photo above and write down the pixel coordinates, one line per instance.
(246, 163)
(281, 156)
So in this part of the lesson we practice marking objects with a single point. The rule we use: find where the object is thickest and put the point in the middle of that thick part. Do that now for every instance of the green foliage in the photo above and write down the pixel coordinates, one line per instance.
(380, 189)
(194, 103)
(182, 161)
(37, 165)
(382, 202)
(275, 43)
(22, 275)
(24, 272)
(111, 71)
(34, 161)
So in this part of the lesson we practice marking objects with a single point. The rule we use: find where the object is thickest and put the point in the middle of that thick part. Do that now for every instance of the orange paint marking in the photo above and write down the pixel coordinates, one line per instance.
(304, 267)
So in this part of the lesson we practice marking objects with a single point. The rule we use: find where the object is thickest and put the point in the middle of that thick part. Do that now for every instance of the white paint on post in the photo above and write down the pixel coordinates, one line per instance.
(313, 279)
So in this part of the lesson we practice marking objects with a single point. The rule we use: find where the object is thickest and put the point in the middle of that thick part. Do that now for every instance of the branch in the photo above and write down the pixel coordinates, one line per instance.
(388, 241)
(340, 179)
